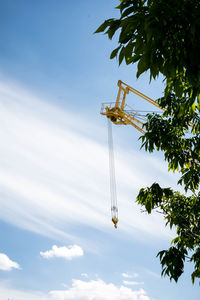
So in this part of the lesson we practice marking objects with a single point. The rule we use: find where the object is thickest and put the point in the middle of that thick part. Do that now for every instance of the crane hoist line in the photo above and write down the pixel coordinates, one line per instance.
(113, 192)
(120, 113)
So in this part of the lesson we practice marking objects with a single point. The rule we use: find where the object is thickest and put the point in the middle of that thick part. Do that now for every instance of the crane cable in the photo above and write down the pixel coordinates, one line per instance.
(113, 191)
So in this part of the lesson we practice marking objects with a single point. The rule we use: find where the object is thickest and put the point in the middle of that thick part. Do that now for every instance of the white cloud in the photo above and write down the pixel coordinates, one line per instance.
(126, 275)
(98, 290)
(126, 282)
(6, 264)
(64, 252)
(54, 173)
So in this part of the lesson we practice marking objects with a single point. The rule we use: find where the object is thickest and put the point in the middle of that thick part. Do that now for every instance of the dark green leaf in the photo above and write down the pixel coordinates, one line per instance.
(114, 53)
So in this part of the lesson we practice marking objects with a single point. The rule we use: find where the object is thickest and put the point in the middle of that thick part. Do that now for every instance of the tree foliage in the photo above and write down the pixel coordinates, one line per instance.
(162, 37)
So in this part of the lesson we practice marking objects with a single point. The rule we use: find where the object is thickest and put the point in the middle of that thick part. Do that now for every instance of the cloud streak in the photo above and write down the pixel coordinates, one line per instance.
(126, 275)
(54, 174)
(126, 282)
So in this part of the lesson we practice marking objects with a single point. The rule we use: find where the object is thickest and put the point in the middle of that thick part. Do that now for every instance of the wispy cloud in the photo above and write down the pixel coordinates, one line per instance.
(126, 275)
(6, 264)
(54, 174)
(151, 273)
(63, 252)
(126, 282)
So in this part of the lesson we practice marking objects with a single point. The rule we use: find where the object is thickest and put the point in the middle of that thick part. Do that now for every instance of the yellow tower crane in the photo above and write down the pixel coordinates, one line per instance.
(121, 114)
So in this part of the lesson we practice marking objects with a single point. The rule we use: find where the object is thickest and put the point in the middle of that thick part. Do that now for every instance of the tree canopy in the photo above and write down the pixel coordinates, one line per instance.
(162, 37)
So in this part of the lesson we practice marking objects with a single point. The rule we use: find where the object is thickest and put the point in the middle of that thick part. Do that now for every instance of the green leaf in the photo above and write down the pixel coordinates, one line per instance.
(127, 12)
(121, 55)
(114, 26)
(128, 51)
(103, 26)
(142, 66)
(114, 52)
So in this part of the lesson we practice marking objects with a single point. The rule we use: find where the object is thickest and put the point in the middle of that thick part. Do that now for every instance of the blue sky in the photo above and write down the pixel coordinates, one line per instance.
(56, 237)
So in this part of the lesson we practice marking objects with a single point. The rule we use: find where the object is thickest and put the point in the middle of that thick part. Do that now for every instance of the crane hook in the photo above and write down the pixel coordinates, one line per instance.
(115, 221)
